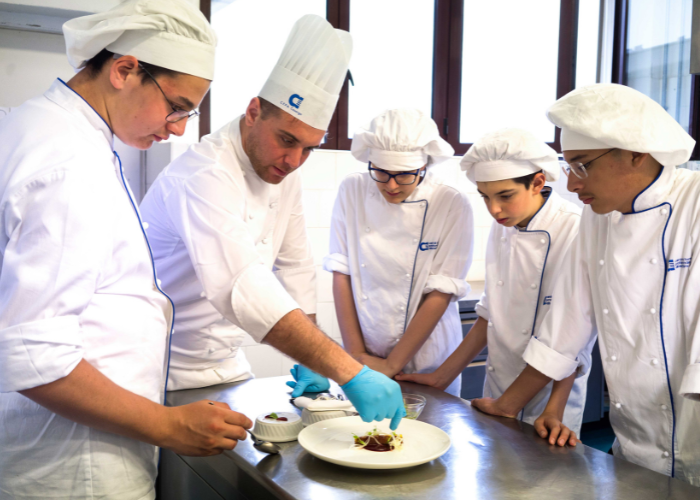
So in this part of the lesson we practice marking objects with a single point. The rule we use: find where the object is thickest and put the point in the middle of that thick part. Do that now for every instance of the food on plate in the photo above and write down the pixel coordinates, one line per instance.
(274, 416)
(379, 441)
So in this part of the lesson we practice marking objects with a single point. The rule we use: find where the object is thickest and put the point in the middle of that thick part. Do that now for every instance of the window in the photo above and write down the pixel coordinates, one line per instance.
(392, 63)
(474, 65)
(653, 55)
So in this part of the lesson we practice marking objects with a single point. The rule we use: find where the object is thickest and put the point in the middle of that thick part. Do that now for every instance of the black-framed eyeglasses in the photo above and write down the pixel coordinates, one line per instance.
(579, 169)
(403, 179)
(177, 114)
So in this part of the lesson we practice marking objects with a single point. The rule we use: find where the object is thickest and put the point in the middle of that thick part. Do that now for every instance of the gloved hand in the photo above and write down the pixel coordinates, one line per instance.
(375, 397)
(307, 381)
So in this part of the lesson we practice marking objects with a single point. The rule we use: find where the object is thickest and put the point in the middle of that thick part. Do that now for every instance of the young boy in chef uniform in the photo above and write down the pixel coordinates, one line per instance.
(532, 231)
(401, 246)
(633, 272)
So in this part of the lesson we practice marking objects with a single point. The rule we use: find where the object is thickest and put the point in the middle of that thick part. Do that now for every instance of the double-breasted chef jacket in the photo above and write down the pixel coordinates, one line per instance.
(522, 266)
(397, 253)
(635, 276)
(233, 254)
(76, 282)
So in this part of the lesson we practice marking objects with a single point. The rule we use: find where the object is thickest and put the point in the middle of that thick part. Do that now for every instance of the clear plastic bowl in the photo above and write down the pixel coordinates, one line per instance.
(414, 404)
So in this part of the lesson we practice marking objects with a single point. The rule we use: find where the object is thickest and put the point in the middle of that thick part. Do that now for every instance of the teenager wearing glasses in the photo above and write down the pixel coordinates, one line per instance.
(401, 246)
(633, 273)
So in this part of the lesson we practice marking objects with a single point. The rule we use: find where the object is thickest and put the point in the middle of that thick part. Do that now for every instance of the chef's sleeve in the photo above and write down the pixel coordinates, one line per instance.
(690, 385)
(54, 247)
(568, 332)
(207, 211)
(294, 266)
(337, 259)
(453, 256)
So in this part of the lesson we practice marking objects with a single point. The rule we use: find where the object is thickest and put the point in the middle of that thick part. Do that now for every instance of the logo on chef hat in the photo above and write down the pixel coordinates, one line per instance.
(295, 100)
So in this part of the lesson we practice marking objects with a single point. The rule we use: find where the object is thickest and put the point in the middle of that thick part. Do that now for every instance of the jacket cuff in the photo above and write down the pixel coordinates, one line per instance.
(259, 301)
(300, 283)
(690, 386)
(482, 311)
(548, 361)
(458, 288)
(336, 262)
(38, 353)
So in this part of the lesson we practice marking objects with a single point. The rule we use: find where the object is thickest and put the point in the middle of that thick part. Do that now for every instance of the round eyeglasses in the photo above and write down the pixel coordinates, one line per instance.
(403, 179)
(177, 114)
(580, 170)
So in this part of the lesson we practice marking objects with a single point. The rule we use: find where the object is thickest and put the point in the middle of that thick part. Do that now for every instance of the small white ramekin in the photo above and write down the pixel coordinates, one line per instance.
(276, 431)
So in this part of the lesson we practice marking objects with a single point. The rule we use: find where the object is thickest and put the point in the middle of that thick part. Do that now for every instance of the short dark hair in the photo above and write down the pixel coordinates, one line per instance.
(268, 110)
(94, 66)
(526, 180)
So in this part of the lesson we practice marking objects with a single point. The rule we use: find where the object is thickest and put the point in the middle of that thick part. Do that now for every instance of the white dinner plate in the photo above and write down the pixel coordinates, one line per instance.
(332, 441)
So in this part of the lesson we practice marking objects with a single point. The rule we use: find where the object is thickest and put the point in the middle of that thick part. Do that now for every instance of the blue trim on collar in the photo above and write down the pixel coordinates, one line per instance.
(546, 199)
(64, 83)
(643, 190)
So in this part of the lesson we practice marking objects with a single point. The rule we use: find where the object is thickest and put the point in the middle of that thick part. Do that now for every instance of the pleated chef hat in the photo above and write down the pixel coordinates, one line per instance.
(400, 140)
(310, 72)
(608, 115)
(171, 34)
(509, 154)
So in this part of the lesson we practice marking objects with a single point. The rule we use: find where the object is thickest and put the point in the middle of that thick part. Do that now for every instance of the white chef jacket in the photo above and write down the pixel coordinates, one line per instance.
(521, 270)
(76, 282)
(233, 254)
(397, 253)
(636, 276)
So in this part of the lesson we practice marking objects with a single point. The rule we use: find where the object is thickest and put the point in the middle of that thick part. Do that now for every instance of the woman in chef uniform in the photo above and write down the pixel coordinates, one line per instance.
(529, 238)
(633, 272)
(401, 246)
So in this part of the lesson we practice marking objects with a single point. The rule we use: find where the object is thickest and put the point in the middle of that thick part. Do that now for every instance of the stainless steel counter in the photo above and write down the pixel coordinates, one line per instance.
(491, 458)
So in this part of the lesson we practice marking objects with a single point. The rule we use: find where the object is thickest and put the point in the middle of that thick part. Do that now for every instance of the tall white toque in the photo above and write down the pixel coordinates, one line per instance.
(171, 34)
(310, 72)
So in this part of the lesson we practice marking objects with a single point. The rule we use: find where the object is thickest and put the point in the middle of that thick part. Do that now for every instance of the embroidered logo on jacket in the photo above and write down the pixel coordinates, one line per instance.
(679, 263)
(547, 300)
(428, 245)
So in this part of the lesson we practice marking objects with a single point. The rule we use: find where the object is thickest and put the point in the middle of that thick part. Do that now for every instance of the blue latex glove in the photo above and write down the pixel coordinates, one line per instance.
(307, 381)
(375, 397)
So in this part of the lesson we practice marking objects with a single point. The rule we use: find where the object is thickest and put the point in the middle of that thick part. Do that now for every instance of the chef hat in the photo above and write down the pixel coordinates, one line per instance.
(401, 140)
(508, 154)
(310, 72)
(615, 116)
(171, 34)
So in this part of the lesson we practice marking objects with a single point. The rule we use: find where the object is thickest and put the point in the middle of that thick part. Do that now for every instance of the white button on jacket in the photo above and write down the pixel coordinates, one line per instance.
(254, 271)
(629, 287)
(76, 282)
(439, 261)
(515, 309)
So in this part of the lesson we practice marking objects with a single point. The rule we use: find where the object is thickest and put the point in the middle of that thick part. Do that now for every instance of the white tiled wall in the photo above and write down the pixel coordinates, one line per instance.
(321, 175)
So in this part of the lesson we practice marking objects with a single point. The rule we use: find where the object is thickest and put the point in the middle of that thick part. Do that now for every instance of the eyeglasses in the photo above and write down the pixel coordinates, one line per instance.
(403, 179)
(177, 114)
(580, 170)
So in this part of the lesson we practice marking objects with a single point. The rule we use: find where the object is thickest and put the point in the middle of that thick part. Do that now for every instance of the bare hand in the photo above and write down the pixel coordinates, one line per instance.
(492, 407)
(559, 434)
(377, 364)
(430, 379)
(204, 428)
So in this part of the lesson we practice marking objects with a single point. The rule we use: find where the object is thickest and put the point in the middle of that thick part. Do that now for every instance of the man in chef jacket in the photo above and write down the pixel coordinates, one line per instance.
(83, 325)
(632, 272)
(226, 225)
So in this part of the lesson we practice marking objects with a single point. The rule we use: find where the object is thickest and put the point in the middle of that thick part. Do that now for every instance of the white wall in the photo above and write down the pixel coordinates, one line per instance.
(29, 63)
